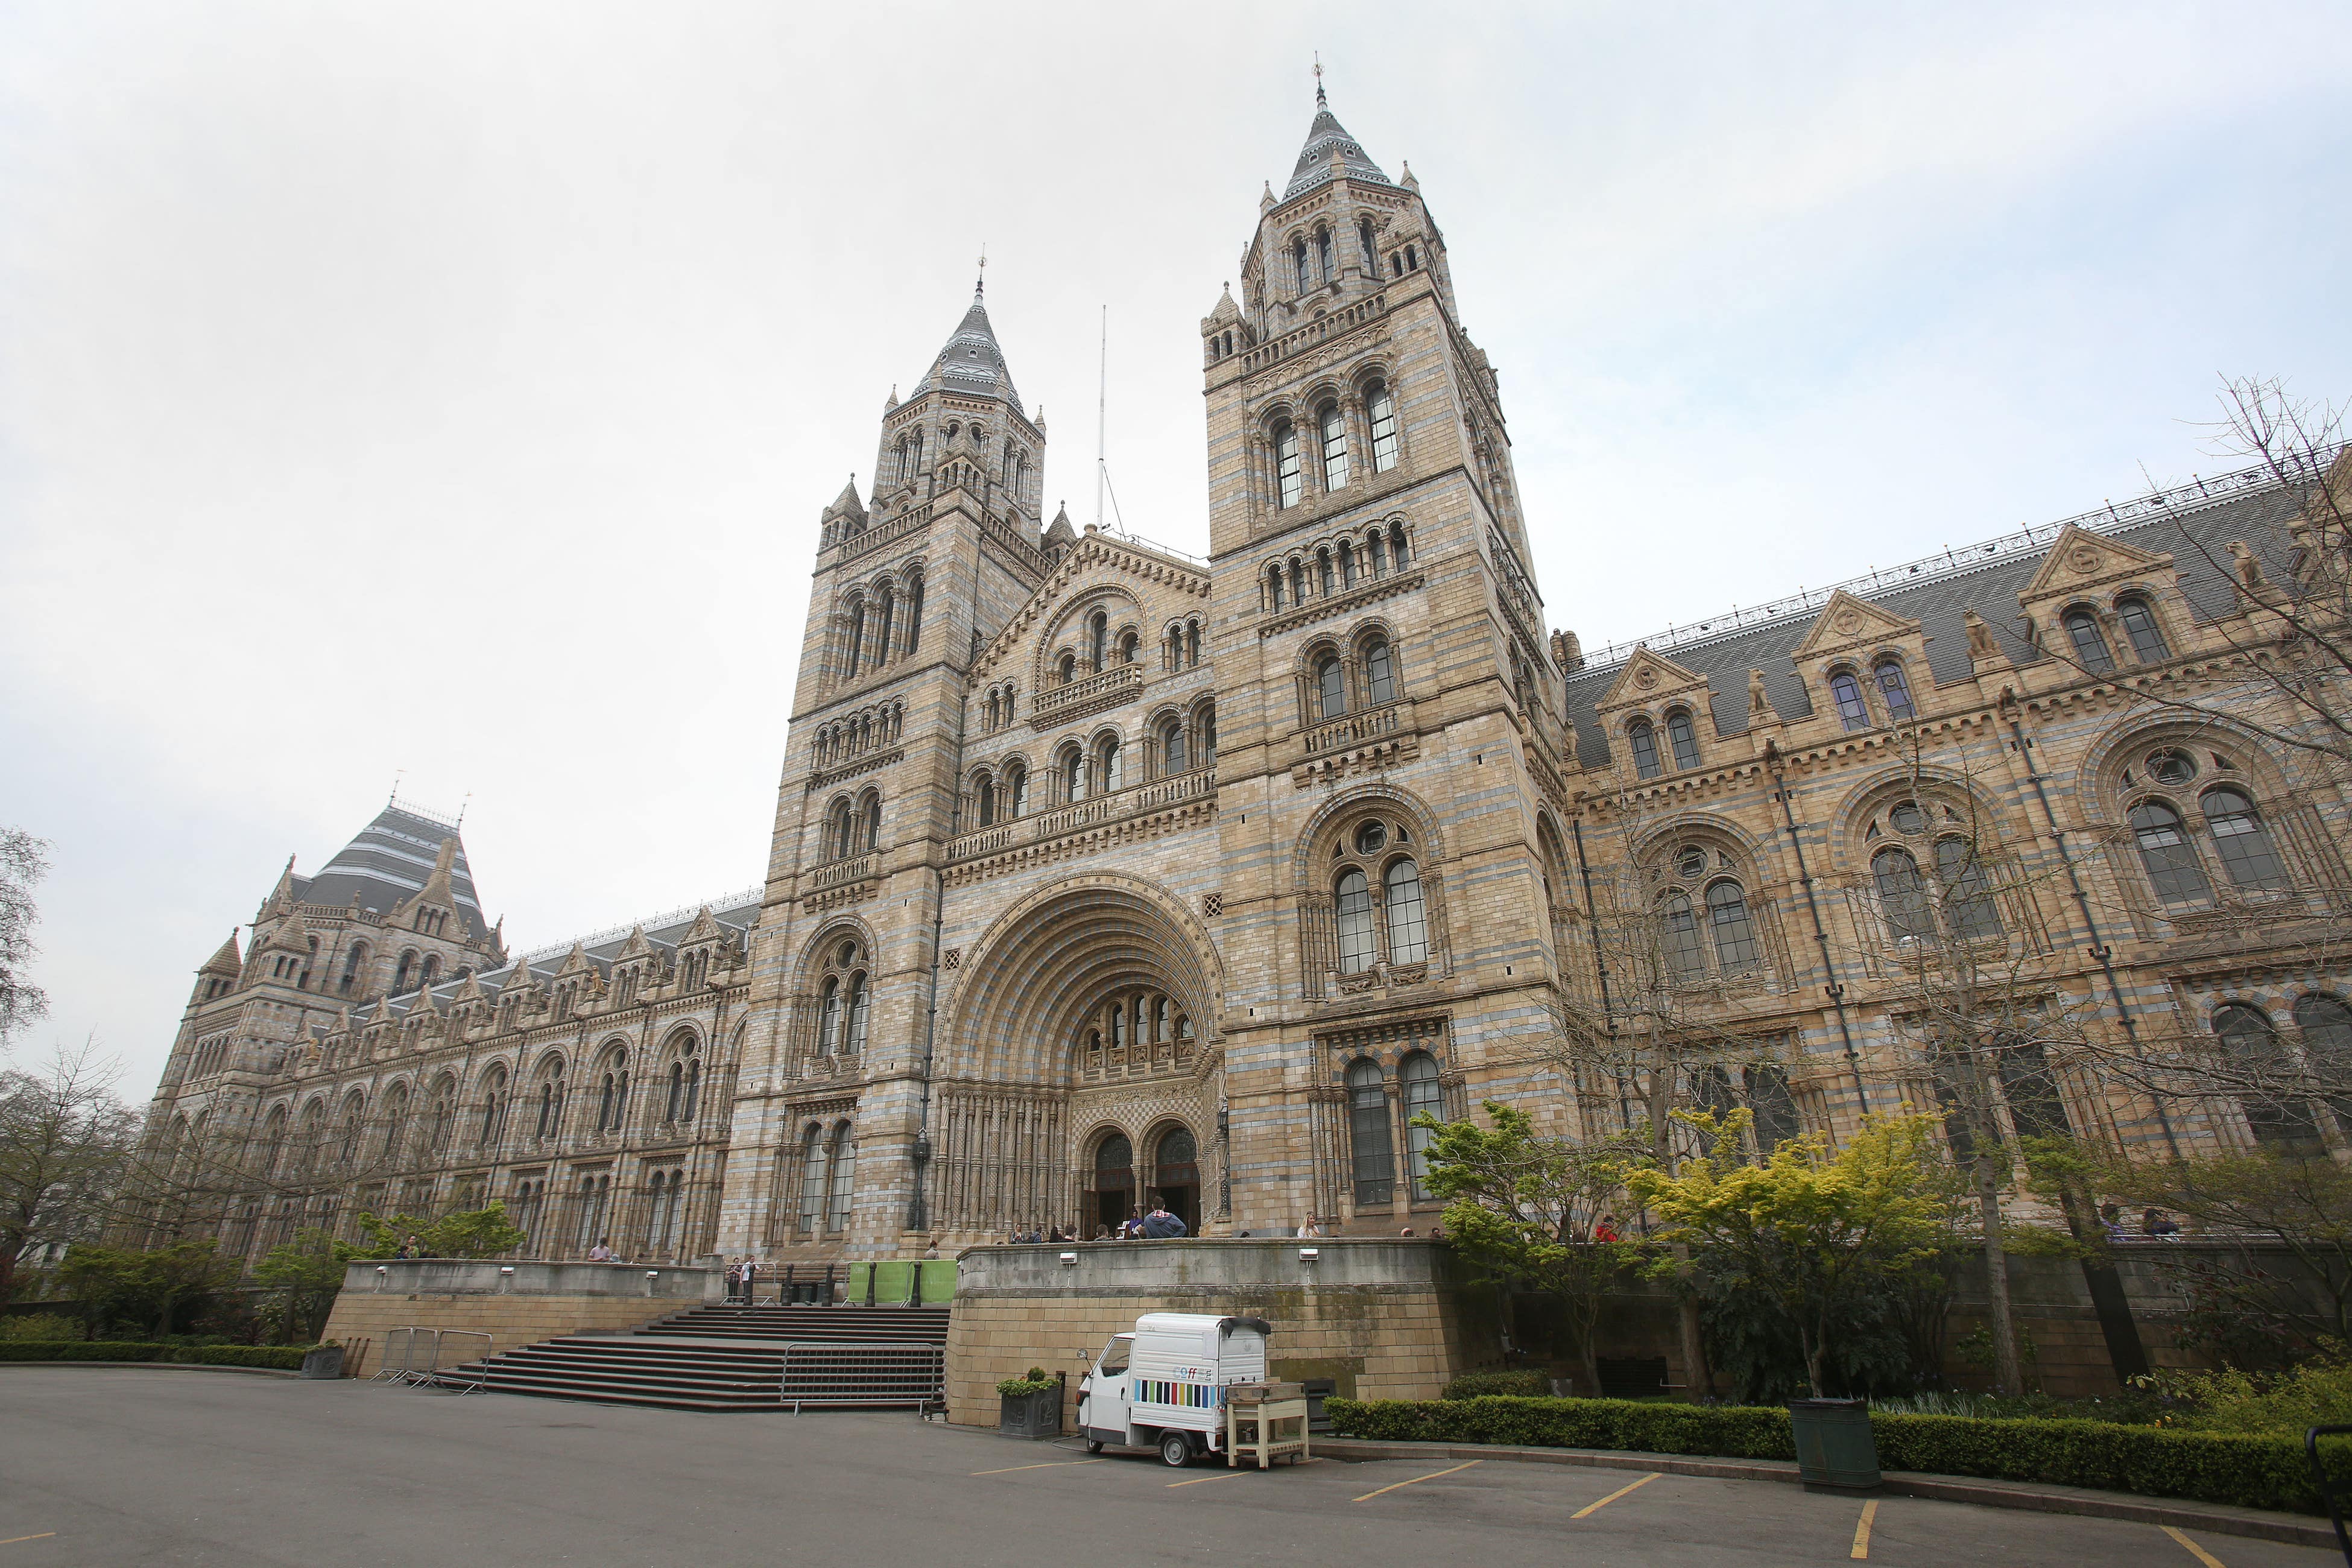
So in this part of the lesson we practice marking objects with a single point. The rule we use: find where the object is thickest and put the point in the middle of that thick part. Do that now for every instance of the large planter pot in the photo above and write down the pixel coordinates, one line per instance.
(326, 1360)
(1030, 1414)
(1835, 1450)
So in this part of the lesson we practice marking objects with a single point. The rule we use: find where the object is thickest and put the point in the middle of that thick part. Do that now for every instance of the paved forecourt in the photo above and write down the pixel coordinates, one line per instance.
(133, 1466)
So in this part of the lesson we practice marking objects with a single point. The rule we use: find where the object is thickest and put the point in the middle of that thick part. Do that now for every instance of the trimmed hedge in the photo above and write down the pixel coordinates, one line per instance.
(286, 1358)
(1479, 1384)
(2249, 1470)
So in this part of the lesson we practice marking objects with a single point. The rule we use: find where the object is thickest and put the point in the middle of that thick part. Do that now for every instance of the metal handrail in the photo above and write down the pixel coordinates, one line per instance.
(936, 1372)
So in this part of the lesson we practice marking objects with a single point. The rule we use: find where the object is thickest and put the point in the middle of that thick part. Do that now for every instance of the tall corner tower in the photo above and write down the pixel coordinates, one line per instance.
(908, 582)
(1388, 709)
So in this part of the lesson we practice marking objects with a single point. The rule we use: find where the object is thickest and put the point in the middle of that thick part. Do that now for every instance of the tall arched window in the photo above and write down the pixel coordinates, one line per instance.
(1330, 687)
(1895, 690)
(861, 998)
(405, 972)
(1273, 587)
(1375, 1154)
(1298, 265)
(354, 964)
(1335, 448)
(1016, 790)
(1682, 737)
(1380, 672)
(1074, 774)
(1846, 693)
(2090, 642)
(870, 828)
(1685, 958)
(1204, 728)
(1423, 1095)
(1644, 741)
(836, 831)
(1902, 895)
(1323, 582)
(1408, 930)
(1376, 549)
(2248, 856)
(1172, 747)
(1067, 669)
(2166, 854)
(2141, 627)
(1353, 902)
(886, 609)
(856, 637)
(1381, 410)
(1108, 767)
(828, 1025)
(1347, 564)
(987, 802)
(675, 1104)
(1323, 255)
(1968, 908)
(2282, 1122)
(1286, 490)
(1733, 931)
(814, 1188)
(1097, 639)
(913, 614)
(845, 1178)
(2327, 1026)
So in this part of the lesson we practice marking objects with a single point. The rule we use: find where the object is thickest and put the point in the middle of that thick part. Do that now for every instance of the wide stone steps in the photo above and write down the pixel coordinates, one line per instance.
(736, 1358)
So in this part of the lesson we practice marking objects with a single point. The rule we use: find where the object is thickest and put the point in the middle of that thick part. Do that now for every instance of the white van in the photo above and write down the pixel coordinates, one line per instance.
(1163, 1385)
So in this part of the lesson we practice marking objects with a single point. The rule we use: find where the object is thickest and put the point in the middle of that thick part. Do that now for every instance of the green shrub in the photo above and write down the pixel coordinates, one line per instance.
(1034, 1382)
(2250, 1469)
(39, 1326)
(1477, 1384)
(82, 1350)
(284, 1357)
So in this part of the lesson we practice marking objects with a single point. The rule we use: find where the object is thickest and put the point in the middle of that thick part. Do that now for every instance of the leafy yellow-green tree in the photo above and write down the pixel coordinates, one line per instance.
(1521, 1207)
(1811, 1231)
(149, 1288)
(468, 1233)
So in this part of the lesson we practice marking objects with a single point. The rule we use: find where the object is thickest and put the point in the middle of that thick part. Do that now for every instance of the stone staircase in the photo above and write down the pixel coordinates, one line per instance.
(736, 1358)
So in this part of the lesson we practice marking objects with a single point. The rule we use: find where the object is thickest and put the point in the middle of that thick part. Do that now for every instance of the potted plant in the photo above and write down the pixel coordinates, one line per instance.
(1031, 1405)
(1810, 1233)
(324, 1359)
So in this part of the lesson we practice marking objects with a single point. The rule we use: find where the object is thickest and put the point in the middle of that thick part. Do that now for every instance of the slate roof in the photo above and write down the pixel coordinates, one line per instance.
(1324, 137)
(735, 916)
(971, 361)
(388, 862)
(1946, 589)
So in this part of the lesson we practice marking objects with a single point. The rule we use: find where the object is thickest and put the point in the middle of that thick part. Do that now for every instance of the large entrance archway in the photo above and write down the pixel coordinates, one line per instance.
(1077, 1037)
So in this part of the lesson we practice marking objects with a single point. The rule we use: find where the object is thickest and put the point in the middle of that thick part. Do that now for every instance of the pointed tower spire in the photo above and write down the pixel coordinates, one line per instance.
(1329, 148)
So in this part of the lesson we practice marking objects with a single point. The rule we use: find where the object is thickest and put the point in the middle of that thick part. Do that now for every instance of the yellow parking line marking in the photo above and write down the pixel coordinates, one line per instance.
(14, 1539)
(1861, 1531)
(1204, 1481)
(1048, 1465)
(1612, 1497)
(2194, 1550)
(1415, 1482)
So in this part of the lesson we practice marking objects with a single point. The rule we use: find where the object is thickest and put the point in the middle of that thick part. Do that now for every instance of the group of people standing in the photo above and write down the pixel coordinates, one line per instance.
(742, 1276)
(1160, 1223)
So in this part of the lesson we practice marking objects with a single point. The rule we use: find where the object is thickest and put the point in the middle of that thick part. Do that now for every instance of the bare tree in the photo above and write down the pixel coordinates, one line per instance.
(65, 1141)
(23, 860)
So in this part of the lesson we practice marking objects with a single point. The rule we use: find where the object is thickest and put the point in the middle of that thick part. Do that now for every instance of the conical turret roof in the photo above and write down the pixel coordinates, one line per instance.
(1324, 137)
(225, 961)
(390, 861)
(971, 361)
(1059, 530)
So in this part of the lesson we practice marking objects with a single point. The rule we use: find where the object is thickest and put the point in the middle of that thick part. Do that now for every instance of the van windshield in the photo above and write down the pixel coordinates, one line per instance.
(1113, 1359)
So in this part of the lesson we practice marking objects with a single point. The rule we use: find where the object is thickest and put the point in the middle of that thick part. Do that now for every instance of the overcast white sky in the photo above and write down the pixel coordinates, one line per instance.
(455, 388)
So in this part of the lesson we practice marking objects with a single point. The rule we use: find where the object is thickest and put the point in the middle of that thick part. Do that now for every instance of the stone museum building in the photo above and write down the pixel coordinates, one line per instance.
(1103, 874)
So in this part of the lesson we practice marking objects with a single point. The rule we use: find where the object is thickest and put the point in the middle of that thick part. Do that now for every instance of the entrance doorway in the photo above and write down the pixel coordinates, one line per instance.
(1114, 1186)
(1176, 1177)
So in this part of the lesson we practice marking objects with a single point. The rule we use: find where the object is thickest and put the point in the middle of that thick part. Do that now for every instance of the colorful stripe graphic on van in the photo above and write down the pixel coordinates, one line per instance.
(1183, 1395)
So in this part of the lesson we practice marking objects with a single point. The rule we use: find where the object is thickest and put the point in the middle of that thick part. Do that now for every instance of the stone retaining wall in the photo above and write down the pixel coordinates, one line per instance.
(515, 1303)
(1382, 1319)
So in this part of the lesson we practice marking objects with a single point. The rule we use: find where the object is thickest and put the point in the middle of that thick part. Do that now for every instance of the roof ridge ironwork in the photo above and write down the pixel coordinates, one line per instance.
(2201, 493)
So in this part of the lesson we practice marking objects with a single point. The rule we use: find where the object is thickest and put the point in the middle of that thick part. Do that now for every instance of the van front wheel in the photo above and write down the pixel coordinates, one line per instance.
(1094, 1444)
(1175, 1448)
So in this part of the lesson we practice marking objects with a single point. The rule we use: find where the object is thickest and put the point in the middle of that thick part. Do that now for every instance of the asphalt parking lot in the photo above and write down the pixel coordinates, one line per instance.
(115, 1466)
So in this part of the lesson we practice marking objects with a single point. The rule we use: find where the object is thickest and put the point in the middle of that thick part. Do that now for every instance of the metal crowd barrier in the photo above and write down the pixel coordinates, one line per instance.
(870, 1373)
(420, 1354)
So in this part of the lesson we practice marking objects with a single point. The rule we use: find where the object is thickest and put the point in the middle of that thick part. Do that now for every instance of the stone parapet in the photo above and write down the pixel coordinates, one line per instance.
(514, 1303)
(1384, 1318)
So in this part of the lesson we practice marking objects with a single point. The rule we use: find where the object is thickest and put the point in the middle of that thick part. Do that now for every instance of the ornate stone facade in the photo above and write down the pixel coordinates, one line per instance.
(1101, 872)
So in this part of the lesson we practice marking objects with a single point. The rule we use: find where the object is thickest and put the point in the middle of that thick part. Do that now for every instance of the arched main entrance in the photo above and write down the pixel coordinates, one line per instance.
(1176, 1173)
(1111, 1191)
